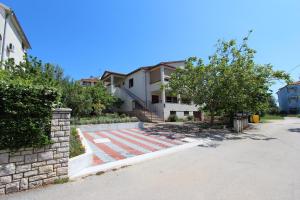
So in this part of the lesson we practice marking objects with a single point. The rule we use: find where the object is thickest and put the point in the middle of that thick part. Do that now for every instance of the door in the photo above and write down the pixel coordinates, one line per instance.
(155, 99)
(197, 115)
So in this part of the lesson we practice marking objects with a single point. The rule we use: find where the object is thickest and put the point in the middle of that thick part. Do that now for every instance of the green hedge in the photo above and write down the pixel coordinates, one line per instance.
(104, 119)
(76, 147)
(25, 113)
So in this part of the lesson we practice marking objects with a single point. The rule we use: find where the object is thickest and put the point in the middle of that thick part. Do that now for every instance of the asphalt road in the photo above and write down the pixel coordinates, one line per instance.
(263, 164)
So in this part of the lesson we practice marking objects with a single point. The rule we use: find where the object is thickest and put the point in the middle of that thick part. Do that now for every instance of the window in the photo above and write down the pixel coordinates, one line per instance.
(186, 113)
(291, 89)
(130, 82)
(10, 47)
(155, 99)
(172, 112)
(23, 46)
(171, 99)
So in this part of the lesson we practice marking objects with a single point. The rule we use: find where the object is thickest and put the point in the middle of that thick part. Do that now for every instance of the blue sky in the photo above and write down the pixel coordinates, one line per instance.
(88, 37)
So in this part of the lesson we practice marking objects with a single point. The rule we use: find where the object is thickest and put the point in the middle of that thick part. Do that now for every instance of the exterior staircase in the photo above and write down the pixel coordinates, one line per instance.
(147, 116)
(141, 111)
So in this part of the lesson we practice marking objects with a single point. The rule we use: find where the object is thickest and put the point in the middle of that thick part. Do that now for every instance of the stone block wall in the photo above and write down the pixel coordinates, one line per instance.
(29, 168)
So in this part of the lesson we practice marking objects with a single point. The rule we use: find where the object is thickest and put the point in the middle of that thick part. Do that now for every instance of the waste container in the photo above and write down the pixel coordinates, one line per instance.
(255, 119)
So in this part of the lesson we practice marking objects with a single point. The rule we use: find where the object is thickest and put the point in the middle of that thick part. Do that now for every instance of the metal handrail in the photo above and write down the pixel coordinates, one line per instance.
(143, 104)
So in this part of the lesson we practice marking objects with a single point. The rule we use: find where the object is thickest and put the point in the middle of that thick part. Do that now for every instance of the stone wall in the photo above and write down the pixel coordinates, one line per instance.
(30, 168)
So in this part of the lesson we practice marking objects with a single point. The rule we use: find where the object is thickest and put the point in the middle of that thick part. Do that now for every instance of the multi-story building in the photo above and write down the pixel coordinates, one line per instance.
(289, 98)
(143, 92)
(89, 81)
(13, 41)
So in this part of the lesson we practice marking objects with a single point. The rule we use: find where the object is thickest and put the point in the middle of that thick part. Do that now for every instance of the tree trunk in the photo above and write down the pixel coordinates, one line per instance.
(231, 118)
(212, 117)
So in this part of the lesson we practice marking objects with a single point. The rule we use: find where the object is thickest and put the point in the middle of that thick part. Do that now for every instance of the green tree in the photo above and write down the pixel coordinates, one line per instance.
(230, 83)
(273, 108)
(83, 101)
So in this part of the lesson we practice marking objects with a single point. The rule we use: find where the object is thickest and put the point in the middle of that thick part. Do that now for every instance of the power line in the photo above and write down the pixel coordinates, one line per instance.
(294, 68)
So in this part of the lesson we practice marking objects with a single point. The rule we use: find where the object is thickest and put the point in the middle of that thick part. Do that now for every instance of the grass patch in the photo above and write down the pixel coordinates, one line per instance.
(104, 119)
(61, 181)
(268, 117)
(100, 173)
(76, 147)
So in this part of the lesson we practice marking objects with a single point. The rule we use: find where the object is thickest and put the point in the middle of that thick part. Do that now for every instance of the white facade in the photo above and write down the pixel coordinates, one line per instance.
(13, 42)
(142, 89)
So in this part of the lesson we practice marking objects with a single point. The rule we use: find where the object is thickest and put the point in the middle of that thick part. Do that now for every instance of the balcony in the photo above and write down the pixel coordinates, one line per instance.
(156, 75)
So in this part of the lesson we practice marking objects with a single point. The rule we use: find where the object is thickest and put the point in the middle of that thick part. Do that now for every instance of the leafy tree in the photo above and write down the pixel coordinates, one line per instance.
(230, 83)
(273, 108)
(86, 101)
(83, 101)
(75, 97)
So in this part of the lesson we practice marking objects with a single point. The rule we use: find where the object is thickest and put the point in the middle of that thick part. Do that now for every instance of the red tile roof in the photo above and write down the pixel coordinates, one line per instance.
(167, 64)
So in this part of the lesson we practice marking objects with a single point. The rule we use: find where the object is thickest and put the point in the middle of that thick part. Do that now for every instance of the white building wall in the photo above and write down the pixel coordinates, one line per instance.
(177, 64)
(139, 84)
(148, 88)
(2, 21)
(127, 105)
(179, 108)
(11, 36)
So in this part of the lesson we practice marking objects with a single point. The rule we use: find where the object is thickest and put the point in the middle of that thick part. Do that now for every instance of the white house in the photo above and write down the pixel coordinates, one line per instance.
(142, 92)
(13, 41)
(88, 81)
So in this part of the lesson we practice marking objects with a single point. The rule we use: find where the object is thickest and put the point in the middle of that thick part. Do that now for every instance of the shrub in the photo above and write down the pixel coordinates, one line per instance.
(104, 119)
(61, 181)
(173, 118)
(87, 101)
(123, 115)
(76, 147)
(190, 118)
(25, 113)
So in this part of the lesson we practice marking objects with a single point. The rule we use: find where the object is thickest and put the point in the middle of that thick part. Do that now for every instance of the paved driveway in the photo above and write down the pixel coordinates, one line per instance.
(113, 145)
(262, 165)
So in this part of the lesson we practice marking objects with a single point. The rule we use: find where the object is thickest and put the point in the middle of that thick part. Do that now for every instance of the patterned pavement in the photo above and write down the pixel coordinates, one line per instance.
(113, 145)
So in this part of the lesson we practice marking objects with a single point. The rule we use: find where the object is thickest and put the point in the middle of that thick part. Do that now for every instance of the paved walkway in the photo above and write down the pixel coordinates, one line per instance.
(263, 164)
(113, 145)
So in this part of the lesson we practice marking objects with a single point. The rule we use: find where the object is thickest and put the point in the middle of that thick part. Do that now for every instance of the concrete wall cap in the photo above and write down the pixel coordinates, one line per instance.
(68, 110)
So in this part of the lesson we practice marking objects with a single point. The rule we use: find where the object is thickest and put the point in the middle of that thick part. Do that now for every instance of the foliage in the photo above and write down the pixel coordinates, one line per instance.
(273, 108)
(76, 147)
(61, 180)
(33, 69)
(268, 117)
(230, 83)
(87, 101)
(173, 118)
(190, 118)
(84, 101)
(29, 91)
(104, 119)
(25, 111)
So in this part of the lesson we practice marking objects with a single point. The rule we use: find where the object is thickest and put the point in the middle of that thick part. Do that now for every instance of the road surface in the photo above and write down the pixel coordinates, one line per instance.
(263, 164)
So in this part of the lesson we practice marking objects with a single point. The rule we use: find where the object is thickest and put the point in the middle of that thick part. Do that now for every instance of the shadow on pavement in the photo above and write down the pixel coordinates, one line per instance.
(294, 130)
(197, 130)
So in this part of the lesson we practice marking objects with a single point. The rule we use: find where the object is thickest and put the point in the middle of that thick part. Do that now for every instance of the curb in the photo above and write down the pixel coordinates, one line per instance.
(136, 159)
